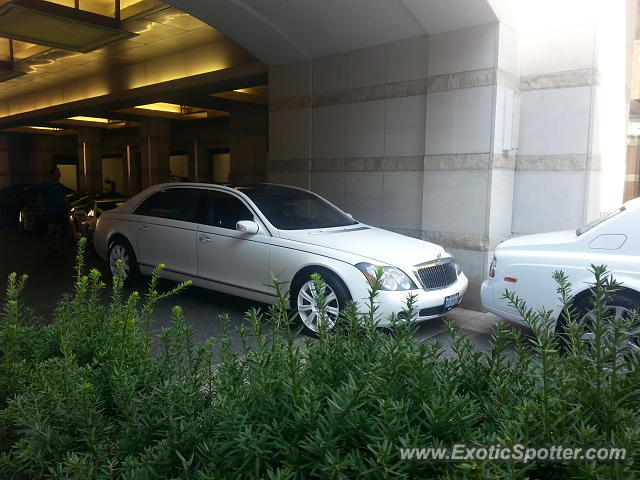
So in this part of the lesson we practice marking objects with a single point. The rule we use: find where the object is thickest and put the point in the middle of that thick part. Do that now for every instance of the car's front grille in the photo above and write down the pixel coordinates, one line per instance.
(438, 274)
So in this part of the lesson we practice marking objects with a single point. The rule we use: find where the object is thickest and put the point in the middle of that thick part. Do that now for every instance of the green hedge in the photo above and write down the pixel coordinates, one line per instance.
(85, 397)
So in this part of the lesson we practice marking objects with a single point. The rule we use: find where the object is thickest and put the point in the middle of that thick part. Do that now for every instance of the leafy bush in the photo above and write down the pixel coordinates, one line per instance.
(85, 397)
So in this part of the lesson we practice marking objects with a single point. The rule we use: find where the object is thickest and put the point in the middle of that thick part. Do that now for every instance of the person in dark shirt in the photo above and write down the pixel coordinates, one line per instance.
(55, 208)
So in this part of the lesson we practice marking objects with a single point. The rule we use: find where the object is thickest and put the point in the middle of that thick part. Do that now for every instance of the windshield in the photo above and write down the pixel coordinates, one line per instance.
(292, 209)
(598, 221)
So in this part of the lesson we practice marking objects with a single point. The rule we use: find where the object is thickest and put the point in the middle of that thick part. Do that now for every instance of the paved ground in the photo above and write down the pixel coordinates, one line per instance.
(51, 276)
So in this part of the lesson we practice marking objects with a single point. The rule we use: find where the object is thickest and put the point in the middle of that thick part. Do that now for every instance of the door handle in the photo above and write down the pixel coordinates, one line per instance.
(143, 228)
(204, 239)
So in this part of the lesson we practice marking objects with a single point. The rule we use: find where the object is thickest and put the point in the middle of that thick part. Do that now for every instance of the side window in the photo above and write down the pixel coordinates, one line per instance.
(223, 210)
(172, 203)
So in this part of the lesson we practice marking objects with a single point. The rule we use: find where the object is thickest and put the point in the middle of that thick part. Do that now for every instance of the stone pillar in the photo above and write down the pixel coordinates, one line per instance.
(248, 144)
(399, 135)
(555, 128)
(573, 114)
(351, 127)
(290, 124)
(90, 159)
(154, 149)
(199, 163)
(504, 139)
(131, 159)
(457, 191)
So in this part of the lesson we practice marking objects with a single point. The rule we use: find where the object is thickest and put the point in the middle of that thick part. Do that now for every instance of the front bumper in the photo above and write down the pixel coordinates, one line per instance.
(428, 304)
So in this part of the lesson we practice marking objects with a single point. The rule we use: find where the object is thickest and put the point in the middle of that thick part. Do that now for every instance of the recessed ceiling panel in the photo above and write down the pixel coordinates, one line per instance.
(57, 26)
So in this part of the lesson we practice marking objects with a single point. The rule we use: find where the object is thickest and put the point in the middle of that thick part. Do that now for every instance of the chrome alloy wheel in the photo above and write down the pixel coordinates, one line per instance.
(309, 310)
(615, 311)
(119, 252)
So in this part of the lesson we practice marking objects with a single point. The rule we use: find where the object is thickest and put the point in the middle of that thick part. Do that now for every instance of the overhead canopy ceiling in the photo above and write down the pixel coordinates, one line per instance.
(285, 31)
(171, 58)
(200, 55)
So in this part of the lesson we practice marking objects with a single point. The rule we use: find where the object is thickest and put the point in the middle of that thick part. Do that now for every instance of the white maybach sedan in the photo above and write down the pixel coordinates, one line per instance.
(238, 240)
(525, 265)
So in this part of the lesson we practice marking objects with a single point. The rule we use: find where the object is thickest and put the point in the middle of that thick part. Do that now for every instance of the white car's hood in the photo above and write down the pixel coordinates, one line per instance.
(540, 239)
(370, 242)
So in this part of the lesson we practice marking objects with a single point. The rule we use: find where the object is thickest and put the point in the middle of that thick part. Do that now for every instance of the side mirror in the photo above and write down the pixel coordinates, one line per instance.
(247, 226)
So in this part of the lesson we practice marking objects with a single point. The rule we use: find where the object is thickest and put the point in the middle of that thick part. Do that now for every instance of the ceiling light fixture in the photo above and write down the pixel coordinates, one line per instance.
(58, 26)
(48, 129)
(161, 107)
(184, 110)
(84, 121)
(90, 119)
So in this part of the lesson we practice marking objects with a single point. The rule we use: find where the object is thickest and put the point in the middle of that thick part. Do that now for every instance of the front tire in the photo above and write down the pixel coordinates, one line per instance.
(120, 249)
(304, 300)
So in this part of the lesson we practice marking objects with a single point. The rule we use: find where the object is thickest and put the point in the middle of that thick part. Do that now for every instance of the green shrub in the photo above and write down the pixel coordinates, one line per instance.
(85, 397)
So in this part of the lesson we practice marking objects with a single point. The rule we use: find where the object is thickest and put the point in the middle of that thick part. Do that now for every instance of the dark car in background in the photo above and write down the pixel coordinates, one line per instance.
(31, 217)
(13, 199)
(83, 218)
(78, 206)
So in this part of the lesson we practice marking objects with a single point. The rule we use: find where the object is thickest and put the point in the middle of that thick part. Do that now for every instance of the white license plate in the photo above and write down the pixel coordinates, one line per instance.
(451, 301)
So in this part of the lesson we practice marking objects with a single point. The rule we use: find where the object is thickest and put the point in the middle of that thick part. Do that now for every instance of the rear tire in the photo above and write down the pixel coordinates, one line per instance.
(621, 304)
(120, 249)
(303, 299)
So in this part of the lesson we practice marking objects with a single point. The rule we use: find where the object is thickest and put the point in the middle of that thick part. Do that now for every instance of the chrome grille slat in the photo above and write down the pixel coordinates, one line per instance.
(439, 274)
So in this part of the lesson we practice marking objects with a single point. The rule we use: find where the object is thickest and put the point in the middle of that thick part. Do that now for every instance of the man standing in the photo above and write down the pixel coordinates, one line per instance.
(55, 210)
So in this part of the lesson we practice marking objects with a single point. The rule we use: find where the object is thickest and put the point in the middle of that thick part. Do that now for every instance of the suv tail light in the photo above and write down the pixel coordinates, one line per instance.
(492, 267)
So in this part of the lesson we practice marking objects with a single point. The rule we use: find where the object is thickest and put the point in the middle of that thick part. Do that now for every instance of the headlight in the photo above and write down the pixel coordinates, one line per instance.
(392, 278)
(458, 269)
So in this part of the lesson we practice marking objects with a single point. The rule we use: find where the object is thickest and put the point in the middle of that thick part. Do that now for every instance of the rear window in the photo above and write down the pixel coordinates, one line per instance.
(598, 221)
(173, 203)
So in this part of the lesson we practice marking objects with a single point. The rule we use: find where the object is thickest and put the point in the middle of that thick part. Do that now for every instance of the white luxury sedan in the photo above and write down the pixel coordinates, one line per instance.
(525, 265)
(238, 240)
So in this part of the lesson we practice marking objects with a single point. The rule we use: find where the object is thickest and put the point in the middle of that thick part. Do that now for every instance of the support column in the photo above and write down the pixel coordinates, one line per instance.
(458, 187)
(290, 131)
(131, 158)
(90, 159)
(248, 144)
(154, 149)
(199, 163)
